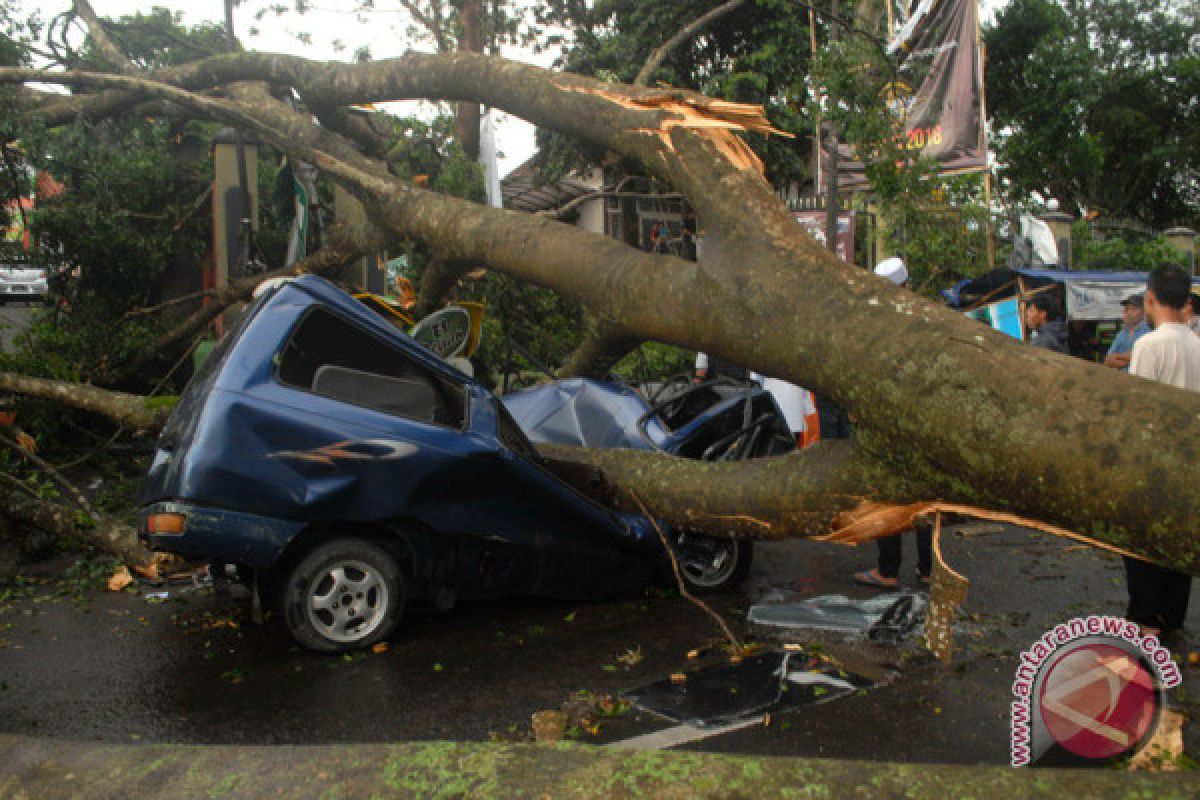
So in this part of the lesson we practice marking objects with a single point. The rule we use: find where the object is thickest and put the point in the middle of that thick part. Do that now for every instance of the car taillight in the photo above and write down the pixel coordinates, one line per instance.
(166, 523)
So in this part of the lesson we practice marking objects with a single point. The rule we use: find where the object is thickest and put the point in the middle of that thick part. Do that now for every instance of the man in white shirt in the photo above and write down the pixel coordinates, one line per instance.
(1158, 596)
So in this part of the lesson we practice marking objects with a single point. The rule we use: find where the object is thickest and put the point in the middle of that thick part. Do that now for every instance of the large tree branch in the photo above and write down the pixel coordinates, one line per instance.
(111, 536)
(100, 38)
(771, 498)
(684, 34)
(964, 410)
(437, 281)
(129, 410)
(431, 24)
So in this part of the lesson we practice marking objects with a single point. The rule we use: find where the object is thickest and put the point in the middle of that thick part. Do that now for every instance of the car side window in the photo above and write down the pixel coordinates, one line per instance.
(333, 358)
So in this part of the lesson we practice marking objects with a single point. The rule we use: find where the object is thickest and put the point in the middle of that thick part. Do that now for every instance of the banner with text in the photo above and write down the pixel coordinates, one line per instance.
(942, 117)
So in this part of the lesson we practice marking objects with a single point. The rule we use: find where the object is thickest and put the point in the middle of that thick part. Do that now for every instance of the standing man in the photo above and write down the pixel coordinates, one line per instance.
(886, 575)
(1158, 596)
(1121, 351)
(1047, 328)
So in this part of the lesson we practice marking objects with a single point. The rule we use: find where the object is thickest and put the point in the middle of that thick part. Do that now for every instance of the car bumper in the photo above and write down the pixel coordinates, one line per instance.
(22, 292)
(213, 534)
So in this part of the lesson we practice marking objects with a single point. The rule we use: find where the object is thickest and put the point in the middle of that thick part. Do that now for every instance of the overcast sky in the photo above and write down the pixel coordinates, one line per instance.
(332, 21)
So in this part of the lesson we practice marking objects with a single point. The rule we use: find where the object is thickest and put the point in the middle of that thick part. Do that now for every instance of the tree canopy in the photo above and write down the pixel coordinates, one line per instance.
(1093, 103)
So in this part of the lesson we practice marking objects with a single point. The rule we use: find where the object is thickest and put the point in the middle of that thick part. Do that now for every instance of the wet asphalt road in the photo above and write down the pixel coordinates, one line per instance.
(117, 667)
(13, 319)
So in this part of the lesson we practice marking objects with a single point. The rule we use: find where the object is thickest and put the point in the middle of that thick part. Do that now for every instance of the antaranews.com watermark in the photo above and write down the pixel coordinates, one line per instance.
(1090, 690)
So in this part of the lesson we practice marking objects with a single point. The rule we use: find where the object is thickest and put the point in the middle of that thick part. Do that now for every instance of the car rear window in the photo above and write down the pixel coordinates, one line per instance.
(331, 357)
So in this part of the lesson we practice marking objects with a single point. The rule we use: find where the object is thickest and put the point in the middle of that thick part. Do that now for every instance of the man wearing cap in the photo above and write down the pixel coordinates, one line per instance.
(886, 575)
(1134, 328)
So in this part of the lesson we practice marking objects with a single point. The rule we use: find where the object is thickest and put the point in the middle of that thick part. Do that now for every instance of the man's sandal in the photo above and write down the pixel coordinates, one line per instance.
(873, 579)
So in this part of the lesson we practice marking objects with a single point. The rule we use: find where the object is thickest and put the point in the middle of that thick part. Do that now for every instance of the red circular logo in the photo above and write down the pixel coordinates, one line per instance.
(1098, 700)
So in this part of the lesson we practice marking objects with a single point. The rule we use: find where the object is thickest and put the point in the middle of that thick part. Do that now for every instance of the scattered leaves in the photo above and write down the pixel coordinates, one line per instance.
(631, 657)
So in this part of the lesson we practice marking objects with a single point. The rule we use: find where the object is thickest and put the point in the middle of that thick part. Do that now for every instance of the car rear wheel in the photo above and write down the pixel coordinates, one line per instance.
(345, 594)
(711, 564)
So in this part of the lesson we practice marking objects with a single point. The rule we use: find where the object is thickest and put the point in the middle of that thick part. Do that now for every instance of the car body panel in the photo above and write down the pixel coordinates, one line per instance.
(241, 442)
(22, 282)
(588, 413)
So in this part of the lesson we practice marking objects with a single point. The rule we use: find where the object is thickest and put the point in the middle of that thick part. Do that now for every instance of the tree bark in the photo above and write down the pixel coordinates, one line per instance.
(113, 537)
(100, 38)
(133, 411)
(470, 40)
(959, 410)
(437, 281)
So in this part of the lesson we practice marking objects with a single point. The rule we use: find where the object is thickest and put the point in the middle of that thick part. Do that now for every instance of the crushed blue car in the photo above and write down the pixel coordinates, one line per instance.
(709, 421)
(350, 473)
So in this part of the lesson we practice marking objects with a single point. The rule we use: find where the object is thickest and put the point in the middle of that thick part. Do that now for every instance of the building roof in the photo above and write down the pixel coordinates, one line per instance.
(523, 191)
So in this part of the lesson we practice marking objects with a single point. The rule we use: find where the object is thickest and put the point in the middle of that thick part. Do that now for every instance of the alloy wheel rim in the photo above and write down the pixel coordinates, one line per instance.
(348, 601)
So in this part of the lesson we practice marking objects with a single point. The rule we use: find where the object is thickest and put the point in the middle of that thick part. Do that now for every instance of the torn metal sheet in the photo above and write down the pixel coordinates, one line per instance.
(887, 618)
(723, 694)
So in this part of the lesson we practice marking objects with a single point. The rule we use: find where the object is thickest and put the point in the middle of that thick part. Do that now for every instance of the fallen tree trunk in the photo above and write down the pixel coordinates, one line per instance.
(959, 410)
(134, 411)
(107, 534)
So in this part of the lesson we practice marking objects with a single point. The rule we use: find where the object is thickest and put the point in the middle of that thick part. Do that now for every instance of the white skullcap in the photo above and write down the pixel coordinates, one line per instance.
(893, 269)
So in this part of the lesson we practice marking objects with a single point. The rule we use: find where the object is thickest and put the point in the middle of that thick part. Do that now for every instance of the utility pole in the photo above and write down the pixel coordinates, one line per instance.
(831, 176)
(239, 263)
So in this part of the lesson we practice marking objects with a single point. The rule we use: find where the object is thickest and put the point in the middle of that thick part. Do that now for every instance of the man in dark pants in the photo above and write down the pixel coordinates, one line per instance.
(891, 549)
(891, 555)
(1158, 596)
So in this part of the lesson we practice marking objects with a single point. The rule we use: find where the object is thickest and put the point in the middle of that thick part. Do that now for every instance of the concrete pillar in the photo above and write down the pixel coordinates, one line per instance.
(228, 212)
(1060, 226)
(1183, 240)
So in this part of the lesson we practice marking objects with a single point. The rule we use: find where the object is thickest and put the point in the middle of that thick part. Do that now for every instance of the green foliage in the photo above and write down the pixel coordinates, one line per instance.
(156, 39)
(547, 326)
(1120, 250)
(1094, 103)
(654, 361)
(126, 215)
(427, 147)
(755, 54)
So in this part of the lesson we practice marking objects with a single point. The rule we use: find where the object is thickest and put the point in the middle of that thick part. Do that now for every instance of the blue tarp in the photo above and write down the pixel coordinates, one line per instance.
(1091, 295)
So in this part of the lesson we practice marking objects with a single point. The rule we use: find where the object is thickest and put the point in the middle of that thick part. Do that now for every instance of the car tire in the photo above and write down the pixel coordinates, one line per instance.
(710, 564)
(343, 595)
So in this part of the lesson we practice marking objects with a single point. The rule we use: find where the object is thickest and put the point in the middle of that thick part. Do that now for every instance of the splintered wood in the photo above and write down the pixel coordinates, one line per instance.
(869, 521)
(947, 591)
(717, 120)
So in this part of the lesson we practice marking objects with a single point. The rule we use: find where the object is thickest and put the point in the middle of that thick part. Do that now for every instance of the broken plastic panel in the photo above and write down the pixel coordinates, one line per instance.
(887, 619)
(725, 693)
